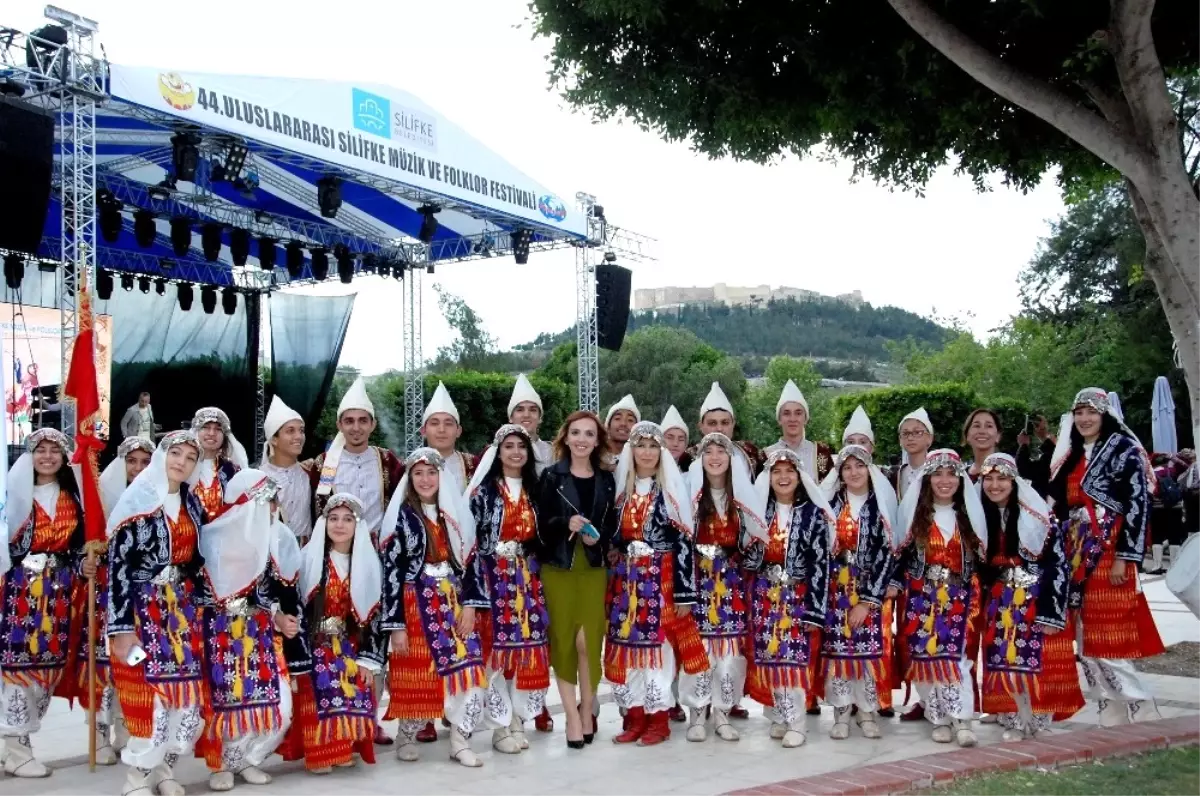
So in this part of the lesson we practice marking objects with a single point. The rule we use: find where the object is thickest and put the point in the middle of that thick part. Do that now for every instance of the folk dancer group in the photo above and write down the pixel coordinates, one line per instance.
(253, 611)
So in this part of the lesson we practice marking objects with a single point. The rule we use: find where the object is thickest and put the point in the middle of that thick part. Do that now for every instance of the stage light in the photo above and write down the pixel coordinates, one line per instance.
(104, 284)
(43, 50)
(429, 268)
(210, 241)
(144, 284)
(266, 253)
(239, 245)
(184, 294)
(208, 298)
(127, 282)
(109, 209)
(294, 258)
(598, 212)
(521, 239)
(329, 195)
(185, 155)
(429, 223)
(160, 286)
(320, 264)
(162, 192)
(144, 228)
(385, 270)
(398, 270)
(181, 236)
(345, 263)
(14, 270)
(229, 300)
(370, 263)
(47, 267)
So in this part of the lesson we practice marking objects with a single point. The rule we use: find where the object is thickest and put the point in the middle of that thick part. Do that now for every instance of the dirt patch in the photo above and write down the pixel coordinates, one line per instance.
(1181, 660)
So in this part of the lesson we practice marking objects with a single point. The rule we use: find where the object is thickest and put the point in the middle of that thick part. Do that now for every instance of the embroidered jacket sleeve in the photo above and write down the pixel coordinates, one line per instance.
(901, 561)
(393, 469)
(682, 546)
(1053, 581)
(373, 641)
(810, 528)
(122, 554)
(395, 558)
(876, 560)
(474, 585)
(1131, 484)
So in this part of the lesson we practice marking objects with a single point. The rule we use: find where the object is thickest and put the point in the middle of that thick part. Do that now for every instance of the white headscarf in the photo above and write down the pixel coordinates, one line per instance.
(113, 480)
(1033, 526)
(460, 525)
(937, 459)
(489, 456)
(366, 573)
(743, 494)
(278, 416)
(670, 480)
(234, 450)
(885, 495)
(20, 484)
(285, 550)
(236, 544)
(1096, 398)
(148, 491)
(763, 483)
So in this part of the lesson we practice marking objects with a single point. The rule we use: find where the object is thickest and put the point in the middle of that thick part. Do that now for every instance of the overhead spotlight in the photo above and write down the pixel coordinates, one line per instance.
(14, 270)
(398, 270)
(521, 239)
(370, 263)
(208, 298)
(109, 209)
(184, 293)
(235, 159)
(329, 195)
(43, 43)
(181, 236)
(239, 245)
(160, 286)
(144, 228)
(162, 192)
(429, 222)
(47, 266)
(385, 270)
(598, 212)
(104, 284)
(293, 257)
(266, 253)
(246, 185)
(320, 264)
(144, 284)
(229, 300)
(127, 282)
(217, 173)
(345, 263)
(210, 241)
(429, 268)
(185, 155)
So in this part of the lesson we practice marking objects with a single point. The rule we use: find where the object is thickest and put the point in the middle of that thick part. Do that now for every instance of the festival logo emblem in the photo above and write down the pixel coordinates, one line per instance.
(177, 92)
(372, 113)
(552, 207)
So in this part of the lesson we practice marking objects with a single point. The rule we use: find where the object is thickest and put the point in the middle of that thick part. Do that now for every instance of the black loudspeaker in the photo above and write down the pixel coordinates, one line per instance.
(26, 167)
(612, 304)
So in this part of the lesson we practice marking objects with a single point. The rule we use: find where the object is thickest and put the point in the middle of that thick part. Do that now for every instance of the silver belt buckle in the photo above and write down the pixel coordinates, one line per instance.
(36, 562)
(168, 574)
(937, 573)
(709, 551)
(510, 550)
(439, 570)
(776, 574)
(639, 549)
(1019, 577)
(238, 606)
(333, 626)
(848, 557)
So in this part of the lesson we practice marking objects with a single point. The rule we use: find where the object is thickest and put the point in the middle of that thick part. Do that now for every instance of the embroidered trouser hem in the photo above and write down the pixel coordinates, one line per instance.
(22, 708)
(1116, 680)
(506, 700)
(945, 702)
(649, 688)
(175, 733)
(1024, 719)
(108, 711)
(789, 708)
(466, 710)
(861, 693)
(721, 686)
(252, 749)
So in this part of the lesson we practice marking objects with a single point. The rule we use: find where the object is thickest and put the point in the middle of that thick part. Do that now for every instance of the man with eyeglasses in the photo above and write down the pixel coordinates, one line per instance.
(916, 438)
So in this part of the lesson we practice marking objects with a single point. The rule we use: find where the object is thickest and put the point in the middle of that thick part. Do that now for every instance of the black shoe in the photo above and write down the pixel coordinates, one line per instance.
(576, 744)
(588, 737)
(813, 711)
(887, 713)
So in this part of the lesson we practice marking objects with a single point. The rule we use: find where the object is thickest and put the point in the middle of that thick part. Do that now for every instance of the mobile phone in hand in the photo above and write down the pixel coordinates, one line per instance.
(589, 530)
(136, 656)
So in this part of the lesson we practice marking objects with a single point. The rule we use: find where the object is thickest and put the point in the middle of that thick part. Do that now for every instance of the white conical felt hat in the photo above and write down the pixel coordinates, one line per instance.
(523, 391)
(715, 400)
(627, 403)
(673, 420)
(356, 398)
(921, 416)
(859, 424)
(277, 416)
(440, 404)
(790, 394)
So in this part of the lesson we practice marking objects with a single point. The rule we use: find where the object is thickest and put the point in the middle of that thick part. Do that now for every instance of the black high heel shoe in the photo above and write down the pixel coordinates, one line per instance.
(575, 744)
(588, 737)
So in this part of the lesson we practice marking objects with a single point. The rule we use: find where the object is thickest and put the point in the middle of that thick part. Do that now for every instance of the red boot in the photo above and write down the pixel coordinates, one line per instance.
(381, 737)
(658, 729)
(633, 726)
(544, 722)
(677, 714)
(427, 734)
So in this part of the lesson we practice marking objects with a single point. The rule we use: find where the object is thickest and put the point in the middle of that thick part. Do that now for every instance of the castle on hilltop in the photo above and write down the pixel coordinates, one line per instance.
(664, 298)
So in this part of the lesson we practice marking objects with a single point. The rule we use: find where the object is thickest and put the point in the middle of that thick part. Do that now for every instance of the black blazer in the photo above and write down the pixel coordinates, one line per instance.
(554, 513)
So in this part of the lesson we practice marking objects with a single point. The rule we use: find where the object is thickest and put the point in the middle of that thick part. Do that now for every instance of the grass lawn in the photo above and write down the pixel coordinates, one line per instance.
(1169, 772)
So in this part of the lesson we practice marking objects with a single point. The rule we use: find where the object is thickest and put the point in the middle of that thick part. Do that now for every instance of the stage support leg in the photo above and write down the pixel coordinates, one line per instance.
(255, 365)
(414, 361)
(585, 311)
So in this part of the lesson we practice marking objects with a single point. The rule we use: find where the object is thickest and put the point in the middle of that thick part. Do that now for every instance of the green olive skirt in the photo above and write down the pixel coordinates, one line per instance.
(575, 600)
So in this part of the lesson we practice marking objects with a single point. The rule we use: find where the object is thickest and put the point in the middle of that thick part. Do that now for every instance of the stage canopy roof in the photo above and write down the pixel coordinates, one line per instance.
(261, 147)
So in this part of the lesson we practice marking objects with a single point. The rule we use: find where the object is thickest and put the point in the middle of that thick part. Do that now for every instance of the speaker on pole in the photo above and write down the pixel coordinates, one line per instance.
(26, 169)
(612, 303)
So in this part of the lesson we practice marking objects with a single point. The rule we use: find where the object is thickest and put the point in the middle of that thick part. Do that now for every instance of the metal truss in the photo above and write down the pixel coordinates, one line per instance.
(414, 362)
(256, 358)
(586, 345)
(172, 269)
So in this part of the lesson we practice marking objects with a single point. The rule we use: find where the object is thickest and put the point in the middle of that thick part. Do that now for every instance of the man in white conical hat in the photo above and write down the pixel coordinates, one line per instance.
(525, 409)
(916, 438)
(620, 420)
(441, 428)
(284, 432)
(675, 434)
(791, 411)
(717, 417)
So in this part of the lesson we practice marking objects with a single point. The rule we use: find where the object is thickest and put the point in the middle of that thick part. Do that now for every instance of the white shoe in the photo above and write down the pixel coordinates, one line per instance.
(793, 739)
(989, 718)
(220, 781)
(105, 754)
(120, 734)
(942, 734)
(696, 730)
(460, 750)
(725, 731)
(406, 744)
(778, 730)
(19, 761)
(841, 724)
(322, 771)
(964, 736)
(138, 784)
(169, 786)
(869, 725)
(1113, 713)
(253, 775)
(1012, 735)
(517, 728)
(504, 743)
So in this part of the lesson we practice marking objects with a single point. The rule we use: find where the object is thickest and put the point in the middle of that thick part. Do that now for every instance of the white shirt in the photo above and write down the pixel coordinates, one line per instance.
(456, 467)
(431, 511)
(340, 562)
(361, 475)
(906, 477)
(806, 450)
(46, 496)
(172, 503)
(720, 500)
(856, 503)
(295, 496)
(783, 515)
(642, 485)
(145, 423)
(208, 471)
(1088, 447)
(945, 518)
(515, 485)
(542, 455)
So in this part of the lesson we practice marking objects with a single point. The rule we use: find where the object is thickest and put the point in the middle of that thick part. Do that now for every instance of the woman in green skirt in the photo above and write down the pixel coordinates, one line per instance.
(576, 524)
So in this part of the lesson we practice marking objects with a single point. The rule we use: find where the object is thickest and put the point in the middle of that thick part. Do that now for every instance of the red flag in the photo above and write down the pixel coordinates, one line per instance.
(82, 388)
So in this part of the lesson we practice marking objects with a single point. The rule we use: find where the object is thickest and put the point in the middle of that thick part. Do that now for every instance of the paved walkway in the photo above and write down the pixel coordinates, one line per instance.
(679, 767)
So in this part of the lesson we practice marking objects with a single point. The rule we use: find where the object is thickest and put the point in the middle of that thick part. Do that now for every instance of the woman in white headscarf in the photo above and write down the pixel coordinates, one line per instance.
(788, 593)
(515, 631)
(1029, 673)
(653, 588)
(855, 640)
(341, 581)
(1101, 483)
(221, 458)
(431, 594)
(43, 554)
(155, 632)
(940, 541)
(727, 514)
(251, 698)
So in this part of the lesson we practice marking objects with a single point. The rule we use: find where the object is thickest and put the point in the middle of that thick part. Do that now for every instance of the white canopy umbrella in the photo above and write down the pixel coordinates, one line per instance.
(1162, 418)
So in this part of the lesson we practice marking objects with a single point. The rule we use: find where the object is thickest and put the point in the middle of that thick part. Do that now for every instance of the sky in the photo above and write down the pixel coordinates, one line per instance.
(802, 223)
